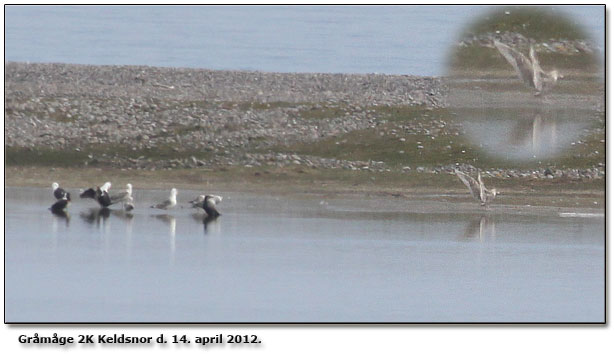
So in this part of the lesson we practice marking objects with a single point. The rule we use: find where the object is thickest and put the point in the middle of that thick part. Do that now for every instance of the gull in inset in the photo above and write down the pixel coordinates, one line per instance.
(169, 203)
(528, 69)
(477, 188)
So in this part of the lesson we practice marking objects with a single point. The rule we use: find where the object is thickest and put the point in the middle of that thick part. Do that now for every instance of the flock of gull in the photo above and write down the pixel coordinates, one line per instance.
(101, 195)
(209, 202)
(527, 69)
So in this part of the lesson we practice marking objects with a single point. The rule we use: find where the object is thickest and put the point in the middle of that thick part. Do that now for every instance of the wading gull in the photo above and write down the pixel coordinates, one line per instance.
(100, 195)
(61, 204)
(529, 70)
(169, 203)
(58, 192)
(209, 204)
(122, 196)
(477, 188)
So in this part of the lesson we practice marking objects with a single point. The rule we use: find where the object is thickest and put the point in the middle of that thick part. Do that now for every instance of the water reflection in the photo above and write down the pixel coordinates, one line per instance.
(172, 227)
(95, 216)
(98, 216)
(521, 134)
(59, 217)
(480, 228)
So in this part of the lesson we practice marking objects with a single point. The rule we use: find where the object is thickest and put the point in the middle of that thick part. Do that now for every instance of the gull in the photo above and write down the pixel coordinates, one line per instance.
(209, 205)
(58, 192)
(198, 202)
(122, 196)
(129, 203)
(105, 187)
(529, 70)
(60, 206)
(100, 195)
(477, 188)
(169, 203)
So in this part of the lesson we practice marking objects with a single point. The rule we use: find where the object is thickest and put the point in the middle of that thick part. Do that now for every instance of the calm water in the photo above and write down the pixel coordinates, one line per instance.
(351, 39)
(298, 259)
(526, 134)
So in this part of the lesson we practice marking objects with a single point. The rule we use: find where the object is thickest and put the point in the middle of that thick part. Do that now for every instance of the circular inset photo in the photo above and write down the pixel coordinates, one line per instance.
(526, 82)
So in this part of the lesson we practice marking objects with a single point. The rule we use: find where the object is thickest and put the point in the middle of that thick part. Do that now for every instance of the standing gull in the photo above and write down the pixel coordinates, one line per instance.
(61, 205)
(529, 70)
(477, 188)
(169, 203)
(58, 192)
(122, 196)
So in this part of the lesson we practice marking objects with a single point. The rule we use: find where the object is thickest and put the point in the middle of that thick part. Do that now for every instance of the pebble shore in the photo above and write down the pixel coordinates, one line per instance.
(231, 117)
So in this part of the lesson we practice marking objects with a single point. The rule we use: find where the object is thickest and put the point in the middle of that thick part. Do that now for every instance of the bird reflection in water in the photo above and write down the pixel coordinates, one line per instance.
(211, 224)
(536, 135)
(98, 216)
(61, 215)
(58, 217)
(172, 225)
(480, 228)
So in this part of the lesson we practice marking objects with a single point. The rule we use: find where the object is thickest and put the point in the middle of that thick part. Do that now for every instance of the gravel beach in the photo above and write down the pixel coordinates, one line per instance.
(119, 116)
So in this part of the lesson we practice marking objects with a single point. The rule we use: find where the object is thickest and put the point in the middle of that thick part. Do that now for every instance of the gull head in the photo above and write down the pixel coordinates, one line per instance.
(105, 187)
(173, 192)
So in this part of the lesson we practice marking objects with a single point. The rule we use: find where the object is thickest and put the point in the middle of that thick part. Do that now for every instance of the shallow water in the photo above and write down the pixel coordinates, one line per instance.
(284, 259)
(524, 134)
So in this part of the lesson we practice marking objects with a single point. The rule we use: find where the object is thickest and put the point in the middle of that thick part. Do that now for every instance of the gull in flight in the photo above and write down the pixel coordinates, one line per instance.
(528, 69)
(477, 188)
(168, 203)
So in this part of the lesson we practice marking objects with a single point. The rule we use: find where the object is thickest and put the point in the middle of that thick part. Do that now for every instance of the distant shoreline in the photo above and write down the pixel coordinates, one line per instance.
(254, 130)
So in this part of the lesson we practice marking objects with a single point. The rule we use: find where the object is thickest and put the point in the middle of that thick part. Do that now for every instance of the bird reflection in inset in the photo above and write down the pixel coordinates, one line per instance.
(537, 135)
(480, 228)
(529, 70)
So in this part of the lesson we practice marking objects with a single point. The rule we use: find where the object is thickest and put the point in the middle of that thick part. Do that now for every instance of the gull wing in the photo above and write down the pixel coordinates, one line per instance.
(470, 183)
(482, 188)
(537, 70)
(119, 197)
(164, 205)
(196, 203)
(521, 64)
